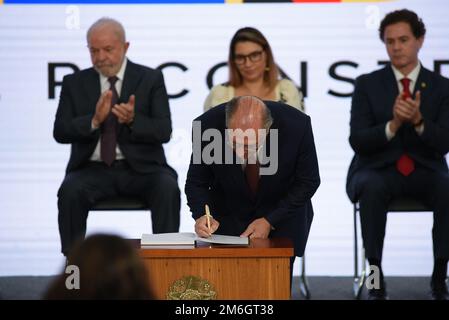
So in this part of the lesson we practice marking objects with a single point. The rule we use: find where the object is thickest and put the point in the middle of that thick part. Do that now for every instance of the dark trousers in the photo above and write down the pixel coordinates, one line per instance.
(82, 188)
(375, 189)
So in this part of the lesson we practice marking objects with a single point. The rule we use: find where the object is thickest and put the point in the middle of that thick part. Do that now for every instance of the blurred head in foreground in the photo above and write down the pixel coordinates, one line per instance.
(107, 266)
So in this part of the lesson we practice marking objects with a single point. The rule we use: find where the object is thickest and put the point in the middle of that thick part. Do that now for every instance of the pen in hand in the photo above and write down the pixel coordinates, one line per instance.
(208, 216)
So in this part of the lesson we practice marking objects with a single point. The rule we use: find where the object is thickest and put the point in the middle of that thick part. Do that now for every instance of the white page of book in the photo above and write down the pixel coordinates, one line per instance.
(189, 238)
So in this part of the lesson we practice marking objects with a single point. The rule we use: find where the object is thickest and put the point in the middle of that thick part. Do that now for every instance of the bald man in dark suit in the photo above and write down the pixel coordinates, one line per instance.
(251, 196)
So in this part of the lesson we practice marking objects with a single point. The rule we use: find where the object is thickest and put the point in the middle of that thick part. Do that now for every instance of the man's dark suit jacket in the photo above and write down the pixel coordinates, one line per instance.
(141, 143)
(372, 108)
(283, 198)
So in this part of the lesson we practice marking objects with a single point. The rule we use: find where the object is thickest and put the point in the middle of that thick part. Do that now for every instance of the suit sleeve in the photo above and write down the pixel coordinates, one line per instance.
(305, 183)
(68, 126)
(436, 133)
(366, 136)
(154, 126)
(198, 182)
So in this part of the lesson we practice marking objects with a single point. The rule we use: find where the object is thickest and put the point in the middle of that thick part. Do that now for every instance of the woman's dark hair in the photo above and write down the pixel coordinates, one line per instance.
(109, 268)
(404, 15)
(271, 74)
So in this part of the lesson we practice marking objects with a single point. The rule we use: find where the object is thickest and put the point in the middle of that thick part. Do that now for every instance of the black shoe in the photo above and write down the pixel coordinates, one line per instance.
(378, 294)
(439, 290)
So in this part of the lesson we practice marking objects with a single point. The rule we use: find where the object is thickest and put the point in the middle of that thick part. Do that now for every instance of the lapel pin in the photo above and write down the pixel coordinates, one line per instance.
(423, 84)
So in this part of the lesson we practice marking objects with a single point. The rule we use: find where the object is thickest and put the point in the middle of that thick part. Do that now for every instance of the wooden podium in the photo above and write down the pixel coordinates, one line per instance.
(258, 271)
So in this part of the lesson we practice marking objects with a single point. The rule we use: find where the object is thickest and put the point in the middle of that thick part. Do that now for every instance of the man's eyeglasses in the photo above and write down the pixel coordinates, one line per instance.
(255, 56)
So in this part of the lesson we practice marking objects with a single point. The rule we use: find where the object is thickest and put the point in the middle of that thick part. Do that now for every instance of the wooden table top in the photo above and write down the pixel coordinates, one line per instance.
(275, 247)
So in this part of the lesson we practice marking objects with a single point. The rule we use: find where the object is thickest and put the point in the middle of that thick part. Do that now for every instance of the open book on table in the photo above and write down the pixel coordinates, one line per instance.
(189, 238)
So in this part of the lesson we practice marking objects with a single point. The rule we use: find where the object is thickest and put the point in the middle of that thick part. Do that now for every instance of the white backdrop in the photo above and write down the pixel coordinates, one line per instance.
(197, 36)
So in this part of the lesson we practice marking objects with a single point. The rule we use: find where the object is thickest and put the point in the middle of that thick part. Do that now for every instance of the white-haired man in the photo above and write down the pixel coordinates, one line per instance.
(116, 117)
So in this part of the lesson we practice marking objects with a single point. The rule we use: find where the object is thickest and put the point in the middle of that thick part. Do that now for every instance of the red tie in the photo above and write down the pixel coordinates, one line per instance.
(109, 129)
(252, 176)
(406, 91)
(405, 164)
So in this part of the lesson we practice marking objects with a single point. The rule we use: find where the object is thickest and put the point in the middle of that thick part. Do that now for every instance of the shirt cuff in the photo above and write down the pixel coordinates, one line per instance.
(420, 129)
(92, 127)
(390, 135)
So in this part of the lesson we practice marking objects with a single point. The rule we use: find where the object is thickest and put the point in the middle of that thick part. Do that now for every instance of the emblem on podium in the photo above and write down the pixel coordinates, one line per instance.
(191, 288)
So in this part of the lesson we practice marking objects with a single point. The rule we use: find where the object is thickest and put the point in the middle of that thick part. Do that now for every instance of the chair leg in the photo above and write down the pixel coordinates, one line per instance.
(358, 281)
(303, 284)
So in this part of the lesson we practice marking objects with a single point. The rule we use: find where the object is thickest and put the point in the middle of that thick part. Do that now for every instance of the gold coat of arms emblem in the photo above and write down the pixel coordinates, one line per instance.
(191, 288)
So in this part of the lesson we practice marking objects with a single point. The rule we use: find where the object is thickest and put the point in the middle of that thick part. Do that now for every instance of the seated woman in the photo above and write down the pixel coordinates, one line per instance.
(252, 71)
